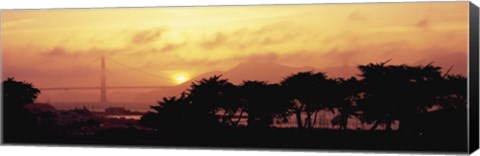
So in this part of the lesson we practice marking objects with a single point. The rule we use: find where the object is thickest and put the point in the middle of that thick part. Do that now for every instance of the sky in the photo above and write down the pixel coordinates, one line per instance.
(169, 45)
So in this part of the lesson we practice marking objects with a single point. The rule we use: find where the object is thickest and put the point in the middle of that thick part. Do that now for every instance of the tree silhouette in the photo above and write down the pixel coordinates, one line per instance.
(309, 93)
(453, 92)
(345, 95)
(450, 114)
(384, 94)
(208, 96)
(232, 105)
(198, 107)
(264, 102)
(397, 92)
(170, 113)
(18, 122)
(17, 94)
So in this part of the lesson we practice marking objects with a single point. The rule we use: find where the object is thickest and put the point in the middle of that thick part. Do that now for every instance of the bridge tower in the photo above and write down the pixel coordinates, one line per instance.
(103, 86)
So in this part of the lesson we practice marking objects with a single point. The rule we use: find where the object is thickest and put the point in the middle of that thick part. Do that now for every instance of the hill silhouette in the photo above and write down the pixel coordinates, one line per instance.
(447, 60)
(251, 70)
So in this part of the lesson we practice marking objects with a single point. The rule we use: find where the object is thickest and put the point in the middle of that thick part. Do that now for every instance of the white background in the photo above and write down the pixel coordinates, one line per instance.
(83, 151)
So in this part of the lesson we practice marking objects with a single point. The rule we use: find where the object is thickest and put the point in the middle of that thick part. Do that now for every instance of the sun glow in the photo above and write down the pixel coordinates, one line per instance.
(180, 79)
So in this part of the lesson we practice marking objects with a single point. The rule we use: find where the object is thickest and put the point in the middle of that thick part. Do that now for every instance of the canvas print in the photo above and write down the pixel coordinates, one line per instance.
(378, 76)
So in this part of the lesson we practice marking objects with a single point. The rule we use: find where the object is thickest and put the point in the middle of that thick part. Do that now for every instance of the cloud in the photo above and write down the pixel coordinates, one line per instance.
(59, 52)
(219, 39)
(169, 47)
(15, 23)
(64, 54)
(272, 40)
(357, 16)
(424, 23)
(278, 26)
(148, 36)
(270, 34)
(145, 52)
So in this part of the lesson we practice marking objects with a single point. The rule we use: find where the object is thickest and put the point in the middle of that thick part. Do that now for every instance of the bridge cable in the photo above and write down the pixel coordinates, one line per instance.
(137, 70)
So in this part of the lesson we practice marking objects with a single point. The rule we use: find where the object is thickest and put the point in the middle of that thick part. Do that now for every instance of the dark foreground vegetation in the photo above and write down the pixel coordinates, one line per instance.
(428, 108)
(281, 139)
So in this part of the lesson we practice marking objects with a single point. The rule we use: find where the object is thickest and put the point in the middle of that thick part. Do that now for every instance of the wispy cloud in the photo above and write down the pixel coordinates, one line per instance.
(148, 36)
(60, 52)
(217, 40)
(269, 34)
(423, 23)
(15, 23)
(357, 16)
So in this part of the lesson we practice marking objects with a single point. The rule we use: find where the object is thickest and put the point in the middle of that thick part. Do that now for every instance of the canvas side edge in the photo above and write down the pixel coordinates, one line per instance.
(473, 79)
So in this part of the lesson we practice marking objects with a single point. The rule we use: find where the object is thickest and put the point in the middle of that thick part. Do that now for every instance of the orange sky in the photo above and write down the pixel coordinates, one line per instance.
(63, 46)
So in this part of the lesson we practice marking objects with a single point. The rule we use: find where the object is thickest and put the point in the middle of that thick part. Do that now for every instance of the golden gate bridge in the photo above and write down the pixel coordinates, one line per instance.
(103, 83)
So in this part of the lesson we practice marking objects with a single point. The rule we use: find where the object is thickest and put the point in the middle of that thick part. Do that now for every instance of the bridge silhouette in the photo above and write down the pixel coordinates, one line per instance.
(103, 83)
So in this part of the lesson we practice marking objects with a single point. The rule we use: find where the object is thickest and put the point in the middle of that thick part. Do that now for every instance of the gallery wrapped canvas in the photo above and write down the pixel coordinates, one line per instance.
(397, 77)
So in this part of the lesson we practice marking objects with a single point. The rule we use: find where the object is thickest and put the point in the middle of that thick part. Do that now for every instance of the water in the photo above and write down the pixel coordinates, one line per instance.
(133, 117)
(95, 106)
(323, 118)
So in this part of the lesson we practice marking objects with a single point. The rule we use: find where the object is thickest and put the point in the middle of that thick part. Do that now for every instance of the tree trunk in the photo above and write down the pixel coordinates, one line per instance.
(388, 125)
(310, 123)
(375, 125)
(239, 118)
(298, 114)
(315, 119)
(307, 121)
(224, 117)
(344, 122)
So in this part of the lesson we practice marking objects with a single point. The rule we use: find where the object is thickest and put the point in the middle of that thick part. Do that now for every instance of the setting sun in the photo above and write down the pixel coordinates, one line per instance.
(180, 79)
